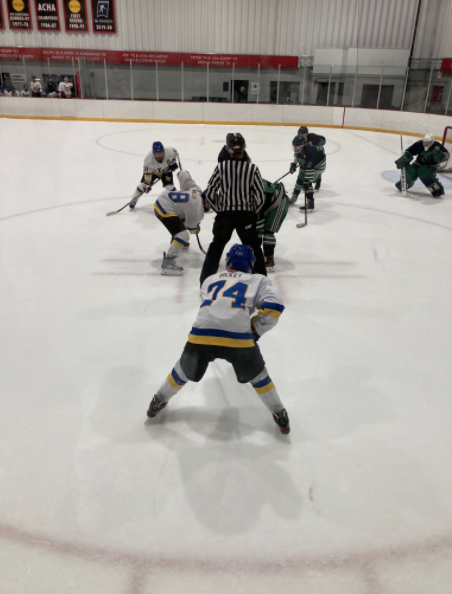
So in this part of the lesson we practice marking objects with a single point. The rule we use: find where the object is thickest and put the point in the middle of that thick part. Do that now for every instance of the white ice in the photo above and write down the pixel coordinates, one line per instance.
(210, 497)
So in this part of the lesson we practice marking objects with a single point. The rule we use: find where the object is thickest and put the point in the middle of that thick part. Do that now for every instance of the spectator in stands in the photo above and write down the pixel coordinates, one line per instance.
(35, 87)
(25, 92)
(2, 91)
(52, 88)
(13, 92)
(7, 83)
(242, 96)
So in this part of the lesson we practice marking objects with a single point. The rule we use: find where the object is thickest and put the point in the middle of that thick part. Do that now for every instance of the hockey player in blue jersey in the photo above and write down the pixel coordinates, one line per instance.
(224, 329)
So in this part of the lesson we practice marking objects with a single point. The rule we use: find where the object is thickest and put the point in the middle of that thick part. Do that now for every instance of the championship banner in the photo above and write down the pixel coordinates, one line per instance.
(19, 15)
(47, 16)
(75, 19)
(2, 22)
(103, 14)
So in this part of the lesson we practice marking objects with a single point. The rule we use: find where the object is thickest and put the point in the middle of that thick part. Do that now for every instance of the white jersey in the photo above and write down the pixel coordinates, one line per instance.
(152, 167)
(36, 86)
(188, 206)
(228, 299)
(65, 88)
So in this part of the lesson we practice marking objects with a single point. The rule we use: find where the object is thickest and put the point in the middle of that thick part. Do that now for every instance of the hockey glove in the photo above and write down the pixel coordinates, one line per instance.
(403, 161)
(438, 156)
(293, 168)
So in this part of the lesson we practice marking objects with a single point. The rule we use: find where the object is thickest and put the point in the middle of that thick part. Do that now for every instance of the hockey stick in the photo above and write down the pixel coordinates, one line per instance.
(113, 212)
(402, 171)
(300, 225)
(200, 246)
(275, 182)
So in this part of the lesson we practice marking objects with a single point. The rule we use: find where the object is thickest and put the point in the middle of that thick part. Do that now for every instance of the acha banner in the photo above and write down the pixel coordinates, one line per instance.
(19, 15)
(75, 19)
(104, 18)
(47, 16)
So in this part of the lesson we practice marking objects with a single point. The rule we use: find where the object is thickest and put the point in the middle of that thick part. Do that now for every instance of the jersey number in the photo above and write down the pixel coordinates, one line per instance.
(237, 293)
(178, 196)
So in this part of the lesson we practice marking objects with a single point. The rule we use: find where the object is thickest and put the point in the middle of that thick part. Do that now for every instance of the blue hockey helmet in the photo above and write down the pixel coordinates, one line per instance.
(158, 147)
(240, 257)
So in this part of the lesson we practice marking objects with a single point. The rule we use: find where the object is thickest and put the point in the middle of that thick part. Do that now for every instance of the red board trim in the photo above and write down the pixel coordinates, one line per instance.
(37, 18)
(446, 65)
(151, 58)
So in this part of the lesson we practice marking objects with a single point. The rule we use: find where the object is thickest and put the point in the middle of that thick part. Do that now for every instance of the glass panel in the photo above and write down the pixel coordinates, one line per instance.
(268, 85)
(242, 84)
(418, 80)
(13, 77)
(220, 84)
(195, 84)
(118, 79)
(144, 82)
(170, 88)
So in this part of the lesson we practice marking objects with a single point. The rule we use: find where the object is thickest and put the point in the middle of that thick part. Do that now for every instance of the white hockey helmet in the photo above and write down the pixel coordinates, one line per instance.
(428, 140)
(186, 181)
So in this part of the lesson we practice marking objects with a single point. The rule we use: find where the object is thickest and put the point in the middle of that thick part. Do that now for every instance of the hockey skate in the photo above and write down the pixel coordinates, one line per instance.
(310, 203)
(169, 267)
(282, 420)
(133, 202)
(270, 264)
(155, 407)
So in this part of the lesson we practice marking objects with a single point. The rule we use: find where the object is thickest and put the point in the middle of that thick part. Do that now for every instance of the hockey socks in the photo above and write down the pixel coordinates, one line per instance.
(267, 391)
(175, 381)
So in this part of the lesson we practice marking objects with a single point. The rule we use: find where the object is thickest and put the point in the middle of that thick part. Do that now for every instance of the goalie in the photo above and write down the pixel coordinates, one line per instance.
(430, 154)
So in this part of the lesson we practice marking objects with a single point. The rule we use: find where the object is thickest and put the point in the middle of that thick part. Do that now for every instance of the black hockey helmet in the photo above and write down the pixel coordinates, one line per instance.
(298, 143)
(302, 130)
(235, 142)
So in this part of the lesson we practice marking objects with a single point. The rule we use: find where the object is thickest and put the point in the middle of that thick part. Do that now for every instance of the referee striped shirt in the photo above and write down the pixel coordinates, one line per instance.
(236, 185)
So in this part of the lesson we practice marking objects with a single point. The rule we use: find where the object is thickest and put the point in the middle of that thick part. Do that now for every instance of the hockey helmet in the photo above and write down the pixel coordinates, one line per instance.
(235, 142)
(240, 257)
(159, 151)
(428, 140)
(302, 130)
(298, 143)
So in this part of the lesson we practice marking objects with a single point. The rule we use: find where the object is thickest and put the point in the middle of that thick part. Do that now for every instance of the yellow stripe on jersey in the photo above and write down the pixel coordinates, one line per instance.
(163, 214)
(221, 341)
(271, 312)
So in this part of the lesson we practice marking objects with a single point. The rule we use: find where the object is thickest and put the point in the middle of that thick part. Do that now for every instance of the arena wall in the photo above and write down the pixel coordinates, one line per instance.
(212, 113)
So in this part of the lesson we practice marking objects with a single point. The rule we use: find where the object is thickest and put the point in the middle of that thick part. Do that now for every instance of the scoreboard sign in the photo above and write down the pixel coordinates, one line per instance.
(103, 14)
(75, 19)
(47, 16)
(19, 15)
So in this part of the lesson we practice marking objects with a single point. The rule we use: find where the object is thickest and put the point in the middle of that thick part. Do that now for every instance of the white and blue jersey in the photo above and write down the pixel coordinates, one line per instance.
(152, 167)
(187, 205)
(228, 299)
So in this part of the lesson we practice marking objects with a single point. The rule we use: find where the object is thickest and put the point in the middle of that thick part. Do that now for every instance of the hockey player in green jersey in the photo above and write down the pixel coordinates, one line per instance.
(271, 218)
(312, 162)
(316, 140)
(429, 154)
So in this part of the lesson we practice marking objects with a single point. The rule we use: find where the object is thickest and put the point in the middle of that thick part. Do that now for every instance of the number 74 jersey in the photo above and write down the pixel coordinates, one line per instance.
(228, 300)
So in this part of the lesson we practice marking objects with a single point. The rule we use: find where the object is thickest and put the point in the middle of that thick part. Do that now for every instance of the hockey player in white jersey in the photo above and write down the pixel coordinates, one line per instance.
(181, 213)
(224, 329)
(160, 163)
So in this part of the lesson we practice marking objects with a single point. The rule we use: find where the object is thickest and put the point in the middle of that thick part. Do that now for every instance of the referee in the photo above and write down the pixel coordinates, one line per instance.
(235, 192)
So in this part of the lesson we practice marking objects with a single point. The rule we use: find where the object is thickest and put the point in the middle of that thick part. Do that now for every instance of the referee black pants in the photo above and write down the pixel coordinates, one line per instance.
(242, 221)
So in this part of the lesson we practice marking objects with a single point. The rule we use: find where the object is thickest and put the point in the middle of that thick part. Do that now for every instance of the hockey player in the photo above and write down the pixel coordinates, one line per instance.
(224, 330)
(36, 88)
(272, 215)
(226, 153)
(429, 155)
(181, 213)
(25, 92)
(312, 161)
(160, 163)
(315, 140)
(64, 88)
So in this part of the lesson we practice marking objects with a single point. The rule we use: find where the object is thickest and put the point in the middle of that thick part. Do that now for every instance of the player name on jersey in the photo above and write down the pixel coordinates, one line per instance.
(47, 16)
(75, 20)
(19, 15)
(104, 16)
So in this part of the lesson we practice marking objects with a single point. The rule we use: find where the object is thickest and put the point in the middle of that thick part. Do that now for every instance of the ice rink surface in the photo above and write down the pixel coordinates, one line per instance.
(210, 497)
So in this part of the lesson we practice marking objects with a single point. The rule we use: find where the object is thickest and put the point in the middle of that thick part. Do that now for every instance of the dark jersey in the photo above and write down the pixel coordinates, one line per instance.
(272, 195)
(316, 139)
(225, 156)
(310, 157)
(431, 156)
